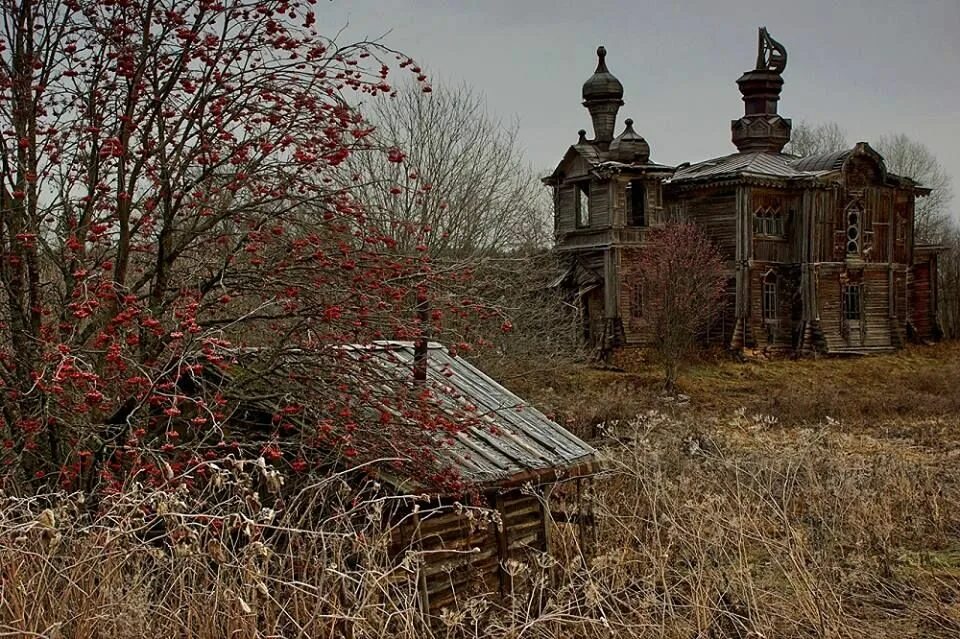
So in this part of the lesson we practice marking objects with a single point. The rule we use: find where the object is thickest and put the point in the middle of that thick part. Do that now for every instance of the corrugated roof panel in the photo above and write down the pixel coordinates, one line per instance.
(756, 163)
(823, 162)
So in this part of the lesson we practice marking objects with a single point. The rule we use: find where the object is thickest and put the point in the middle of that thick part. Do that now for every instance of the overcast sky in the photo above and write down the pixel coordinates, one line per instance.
(873, 66)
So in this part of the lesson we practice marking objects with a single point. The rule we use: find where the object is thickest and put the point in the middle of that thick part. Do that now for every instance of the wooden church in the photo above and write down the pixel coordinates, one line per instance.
(819, 251)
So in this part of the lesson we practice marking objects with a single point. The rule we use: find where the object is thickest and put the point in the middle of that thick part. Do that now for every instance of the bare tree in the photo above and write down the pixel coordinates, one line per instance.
(683, 283)
(914, 160)
(812, 139)
(464, 177)
(948, 267)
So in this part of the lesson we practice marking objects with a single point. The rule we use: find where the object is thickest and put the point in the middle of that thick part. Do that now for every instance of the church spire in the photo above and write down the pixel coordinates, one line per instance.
(603, 97)
(761, 128)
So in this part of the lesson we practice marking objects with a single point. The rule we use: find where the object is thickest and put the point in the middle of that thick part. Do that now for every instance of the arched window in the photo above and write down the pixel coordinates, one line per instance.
(768, 221)
(769, 300)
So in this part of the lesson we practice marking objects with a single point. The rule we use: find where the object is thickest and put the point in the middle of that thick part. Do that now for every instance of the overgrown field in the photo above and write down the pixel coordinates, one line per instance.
(774, 499)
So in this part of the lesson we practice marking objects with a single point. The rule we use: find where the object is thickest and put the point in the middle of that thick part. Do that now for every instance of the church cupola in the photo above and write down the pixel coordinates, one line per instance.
(603, 97)
(630, 147)
(761, 128)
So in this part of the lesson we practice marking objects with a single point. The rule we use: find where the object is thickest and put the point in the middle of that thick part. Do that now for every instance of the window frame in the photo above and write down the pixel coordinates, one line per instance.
(768, 223)
(855, 207)
(631, 199)
(582, 217)
(769, 300)
(847, 295)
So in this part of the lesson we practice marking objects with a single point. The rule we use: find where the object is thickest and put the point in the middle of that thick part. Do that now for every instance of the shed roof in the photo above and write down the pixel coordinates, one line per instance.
(515, 442)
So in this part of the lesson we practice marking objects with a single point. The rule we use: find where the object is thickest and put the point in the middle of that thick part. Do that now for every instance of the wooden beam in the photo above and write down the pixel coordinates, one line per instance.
(503, 548)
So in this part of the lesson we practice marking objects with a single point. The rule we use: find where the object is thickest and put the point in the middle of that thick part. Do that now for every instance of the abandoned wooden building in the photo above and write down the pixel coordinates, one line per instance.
(819, 251)
(517, 473)
(531, 471)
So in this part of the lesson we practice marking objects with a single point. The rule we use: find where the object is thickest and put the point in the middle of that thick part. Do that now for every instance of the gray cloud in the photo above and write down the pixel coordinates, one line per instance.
(873, 66)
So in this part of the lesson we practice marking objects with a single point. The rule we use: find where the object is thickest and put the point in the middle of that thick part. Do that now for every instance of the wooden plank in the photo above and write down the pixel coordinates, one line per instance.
(500, 533)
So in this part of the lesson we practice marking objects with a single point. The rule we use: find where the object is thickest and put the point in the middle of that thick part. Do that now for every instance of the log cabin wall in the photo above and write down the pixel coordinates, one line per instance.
(873, 329)
(715, 211)
(784, 208)
(922, 301)
(599, 204)
(468, 555)
(565, 216)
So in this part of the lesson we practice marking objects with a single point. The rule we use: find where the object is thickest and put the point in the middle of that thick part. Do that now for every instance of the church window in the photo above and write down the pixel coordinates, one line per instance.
(769, 300)
(768, 221)
(636, 203)
(583, 205)
(852, 301)
(854, 218)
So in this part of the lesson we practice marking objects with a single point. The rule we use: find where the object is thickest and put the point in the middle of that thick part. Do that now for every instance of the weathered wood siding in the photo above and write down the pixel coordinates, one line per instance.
(467, 555)
(599, 204)
(714, 210)
(922, 302)
(785, 249)
(566, 213)
(778, 332)
(874, 329)
(525, 538)
(462, 556)
(824, 211)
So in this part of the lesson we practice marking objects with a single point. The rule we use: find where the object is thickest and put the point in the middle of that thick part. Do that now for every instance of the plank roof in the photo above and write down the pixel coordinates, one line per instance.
(512, 441)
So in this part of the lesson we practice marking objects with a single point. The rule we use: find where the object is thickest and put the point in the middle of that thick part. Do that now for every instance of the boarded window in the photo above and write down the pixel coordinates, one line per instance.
(636, 306)
(636, 203)
(583, 205)
(854, 217)
(852, 301)
(769, 302)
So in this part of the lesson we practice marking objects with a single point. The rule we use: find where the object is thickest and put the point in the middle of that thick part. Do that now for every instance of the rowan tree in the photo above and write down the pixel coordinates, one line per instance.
(172, 205)
(682, 278)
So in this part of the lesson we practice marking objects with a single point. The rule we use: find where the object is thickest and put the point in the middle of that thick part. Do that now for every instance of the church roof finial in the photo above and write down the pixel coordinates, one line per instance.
(761, 128)
(603, 97)
(602, 85)
(771, 55)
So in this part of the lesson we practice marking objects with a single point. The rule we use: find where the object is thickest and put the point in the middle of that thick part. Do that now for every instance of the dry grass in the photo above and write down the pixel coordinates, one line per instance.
(783, 499)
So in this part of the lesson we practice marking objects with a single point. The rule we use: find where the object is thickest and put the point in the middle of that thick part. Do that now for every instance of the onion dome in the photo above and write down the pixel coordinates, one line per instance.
(629, 146)
(603, 97)
(602, 85)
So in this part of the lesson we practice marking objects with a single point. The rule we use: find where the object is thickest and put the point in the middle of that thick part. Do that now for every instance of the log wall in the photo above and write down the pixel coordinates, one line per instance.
(466, 555)
(873, 331)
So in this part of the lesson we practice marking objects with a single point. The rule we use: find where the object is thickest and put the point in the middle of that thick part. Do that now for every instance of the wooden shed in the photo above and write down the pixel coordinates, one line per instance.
(512, 461)
(470, 535)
